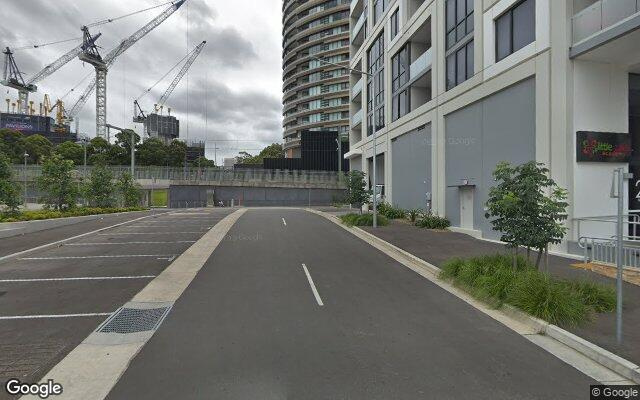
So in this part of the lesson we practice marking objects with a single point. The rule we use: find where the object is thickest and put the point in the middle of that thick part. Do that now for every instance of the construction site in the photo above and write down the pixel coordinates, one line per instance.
(54, 119)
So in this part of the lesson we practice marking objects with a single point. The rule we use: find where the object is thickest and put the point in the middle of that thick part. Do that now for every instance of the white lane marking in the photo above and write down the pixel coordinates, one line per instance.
(110, 256)
(10, 229)
(284, 222)
(54, 316)
(313, 286)
(167, 258)
(149, 226)
(144, 233)
(123, 243)
(44, 246)
(87, 278)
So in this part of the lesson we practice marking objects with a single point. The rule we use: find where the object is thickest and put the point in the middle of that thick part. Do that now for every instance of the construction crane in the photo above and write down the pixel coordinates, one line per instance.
(138, 114)
(13, 77)
(102, 64)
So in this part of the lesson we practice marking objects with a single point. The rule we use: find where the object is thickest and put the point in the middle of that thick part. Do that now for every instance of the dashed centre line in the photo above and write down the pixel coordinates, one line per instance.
(313, 286)
(284, 222)
(146, 233)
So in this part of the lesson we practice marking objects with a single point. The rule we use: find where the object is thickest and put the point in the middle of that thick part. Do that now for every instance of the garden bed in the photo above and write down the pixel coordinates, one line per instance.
(38, 215)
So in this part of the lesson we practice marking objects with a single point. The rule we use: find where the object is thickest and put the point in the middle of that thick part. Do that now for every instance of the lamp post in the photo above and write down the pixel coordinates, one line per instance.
(24, 175)
(373, 174)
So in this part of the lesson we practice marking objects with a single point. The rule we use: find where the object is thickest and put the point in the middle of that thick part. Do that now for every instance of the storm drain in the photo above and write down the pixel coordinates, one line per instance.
(134, 320)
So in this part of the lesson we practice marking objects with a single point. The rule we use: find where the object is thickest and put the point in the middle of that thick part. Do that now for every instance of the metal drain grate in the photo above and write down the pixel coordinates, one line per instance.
(133, 320)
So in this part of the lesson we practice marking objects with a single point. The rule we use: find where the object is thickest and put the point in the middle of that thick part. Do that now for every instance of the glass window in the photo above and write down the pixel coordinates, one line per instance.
(515, 29)
(451, 71)
(470, 70)
(400, 78)
(461, 65)
(395, 24)
(375, 92)
(524, 24)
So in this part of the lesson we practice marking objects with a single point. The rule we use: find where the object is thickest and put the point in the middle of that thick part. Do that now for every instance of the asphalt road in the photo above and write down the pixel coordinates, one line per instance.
(51, 299)
(251, 326)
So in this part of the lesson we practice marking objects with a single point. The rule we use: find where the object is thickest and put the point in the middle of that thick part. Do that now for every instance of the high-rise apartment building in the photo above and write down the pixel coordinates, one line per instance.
(315, 76)
(453, 87)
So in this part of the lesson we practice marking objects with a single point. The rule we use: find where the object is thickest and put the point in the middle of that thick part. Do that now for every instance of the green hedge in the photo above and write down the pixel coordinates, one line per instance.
(433, 222)
(391, 212)
(50, 214)
(561, 302)
(363, 220)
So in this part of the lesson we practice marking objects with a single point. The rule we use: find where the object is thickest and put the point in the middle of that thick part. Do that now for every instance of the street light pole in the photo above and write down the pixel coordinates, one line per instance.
(133, 154)
(24, 173)
(373, 174)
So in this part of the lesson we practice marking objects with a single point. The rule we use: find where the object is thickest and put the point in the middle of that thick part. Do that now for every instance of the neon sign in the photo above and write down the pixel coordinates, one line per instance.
(603, 147)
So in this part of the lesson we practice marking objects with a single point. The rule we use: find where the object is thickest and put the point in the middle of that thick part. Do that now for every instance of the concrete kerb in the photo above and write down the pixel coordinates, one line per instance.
(92, 369)
(508, 315)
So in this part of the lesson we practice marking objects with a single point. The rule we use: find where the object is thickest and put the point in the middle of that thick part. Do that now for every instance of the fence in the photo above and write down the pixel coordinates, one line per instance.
(602, 250)
(210, 175)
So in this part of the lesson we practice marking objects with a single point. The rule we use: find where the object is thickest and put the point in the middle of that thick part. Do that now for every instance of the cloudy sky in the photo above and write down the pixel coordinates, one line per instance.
(232, 92)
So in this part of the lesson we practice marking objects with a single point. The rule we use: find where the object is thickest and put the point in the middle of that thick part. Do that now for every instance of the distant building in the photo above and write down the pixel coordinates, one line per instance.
(36, 125)
(163, 127)
(318, 152)
(316, 94)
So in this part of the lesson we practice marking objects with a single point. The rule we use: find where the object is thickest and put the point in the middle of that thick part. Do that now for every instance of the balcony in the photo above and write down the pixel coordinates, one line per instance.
(603, 22)
(356, 120)
(357, 89)
(421, 65)
(357, 35)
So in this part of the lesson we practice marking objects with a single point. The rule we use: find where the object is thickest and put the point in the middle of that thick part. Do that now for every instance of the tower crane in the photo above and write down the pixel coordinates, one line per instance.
(138, 114)
(101, 65)
(13, 77)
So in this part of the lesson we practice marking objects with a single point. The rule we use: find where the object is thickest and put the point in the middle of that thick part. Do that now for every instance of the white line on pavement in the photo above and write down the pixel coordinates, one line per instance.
(110, 256)
(44, 246)
(143, 233)
(88, 278)
(54, 316)
(284, 222)
(122, 243)
(313, 286)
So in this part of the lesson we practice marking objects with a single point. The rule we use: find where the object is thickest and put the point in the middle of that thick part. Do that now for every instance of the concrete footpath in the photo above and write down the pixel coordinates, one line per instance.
(292, 306)
(436, 247)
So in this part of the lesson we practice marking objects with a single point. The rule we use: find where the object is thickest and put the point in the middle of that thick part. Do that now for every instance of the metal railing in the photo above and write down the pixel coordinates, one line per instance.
(601, 15)
(209, 175)
(602, 249)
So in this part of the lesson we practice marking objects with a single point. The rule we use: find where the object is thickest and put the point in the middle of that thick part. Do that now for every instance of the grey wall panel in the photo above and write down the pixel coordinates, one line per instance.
(411, 169)
(196, 196)
(500, 127)
(356, 164)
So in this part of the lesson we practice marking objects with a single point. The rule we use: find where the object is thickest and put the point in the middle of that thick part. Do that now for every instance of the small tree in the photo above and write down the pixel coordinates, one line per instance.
(100, 190)
(527, 207)
(356, 192)
(9, 193)
(129, 190)
(56, 182)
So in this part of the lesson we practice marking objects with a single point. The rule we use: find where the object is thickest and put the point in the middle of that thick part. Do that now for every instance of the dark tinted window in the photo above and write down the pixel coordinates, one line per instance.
(515, 29)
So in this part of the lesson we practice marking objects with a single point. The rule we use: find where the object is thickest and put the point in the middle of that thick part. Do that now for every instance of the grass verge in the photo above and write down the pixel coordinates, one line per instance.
(561, 302)
(362, 220)
(50, 214)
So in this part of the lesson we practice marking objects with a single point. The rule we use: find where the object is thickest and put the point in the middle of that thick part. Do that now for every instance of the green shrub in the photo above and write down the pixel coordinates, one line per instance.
(494, 280)
(433, 222)
(414, 214)
(362, 220)
(52, 214)
(390, 212)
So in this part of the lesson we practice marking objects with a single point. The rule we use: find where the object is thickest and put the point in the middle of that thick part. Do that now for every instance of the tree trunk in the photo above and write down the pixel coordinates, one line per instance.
(540, 250)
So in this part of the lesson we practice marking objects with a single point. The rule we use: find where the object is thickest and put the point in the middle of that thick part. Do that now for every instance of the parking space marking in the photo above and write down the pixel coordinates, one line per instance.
(44, 246)
(86, 278)
(121, 243)
(109, 256)
(13, 317)
(146, 233)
